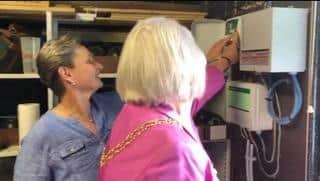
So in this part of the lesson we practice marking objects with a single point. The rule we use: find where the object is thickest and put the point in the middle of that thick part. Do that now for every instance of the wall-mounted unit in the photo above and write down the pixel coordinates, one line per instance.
(247, 106)
(274, 40)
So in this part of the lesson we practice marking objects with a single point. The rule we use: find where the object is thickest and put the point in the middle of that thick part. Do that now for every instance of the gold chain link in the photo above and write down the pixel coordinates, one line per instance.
(109, 154)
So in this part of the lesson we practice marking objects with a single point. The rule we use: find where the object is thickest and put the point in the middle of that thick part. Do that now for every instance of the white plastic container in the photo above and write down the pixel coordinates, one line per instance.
(274, 40)
(28, 115)
(30, 47)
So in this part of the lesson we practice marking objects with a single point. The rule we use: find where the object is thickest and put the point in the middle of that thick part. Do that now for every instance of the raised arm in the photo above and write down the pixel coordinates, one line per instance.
(220, 57)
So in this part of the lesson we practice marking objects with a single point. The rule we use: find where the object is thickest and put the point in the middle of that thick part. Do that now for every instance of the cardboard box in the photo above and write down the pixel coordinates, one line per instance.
(110, 63)
(8, 137)
(30, 47)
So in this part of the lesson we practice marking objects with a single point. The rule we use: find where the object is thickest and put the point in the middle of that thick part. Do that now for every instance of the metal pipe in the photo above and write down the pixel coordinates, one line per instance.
(312, 128)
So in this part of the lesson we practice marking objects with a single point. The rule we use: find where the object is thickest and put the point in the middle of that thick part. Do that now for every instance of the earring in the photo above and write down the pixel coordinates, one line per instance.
(72, 82)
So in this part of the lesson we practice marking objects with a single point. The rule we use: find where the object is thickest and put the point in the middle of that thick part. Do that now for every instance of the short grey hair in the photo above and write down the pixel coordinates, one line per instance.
(54, 54)
(160, 63)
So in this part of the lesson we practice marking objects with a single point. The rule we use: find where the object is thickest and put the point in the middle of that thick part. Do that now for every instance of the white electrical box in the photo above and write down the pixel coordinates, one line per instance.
(246, 105)
(207, 32)
(274, 40)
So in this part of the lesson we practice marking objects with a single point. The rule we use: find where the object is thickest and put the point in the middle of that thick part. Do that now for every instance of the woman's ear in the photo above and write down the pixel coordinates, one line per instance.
(65, 75)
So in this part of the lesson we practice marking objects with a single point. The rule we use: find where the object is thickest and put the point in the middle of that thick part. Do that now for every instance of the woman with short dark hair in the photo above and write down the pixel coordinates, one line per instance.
(66, 143)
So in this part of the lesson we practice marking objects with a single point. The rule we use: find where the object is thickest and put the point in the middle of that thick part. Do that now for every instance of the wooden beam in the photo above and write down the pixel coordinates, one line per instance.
(137, 14)
(104, 14)
(140, 11)
(25, 3)
(176, 6)
(33, 9)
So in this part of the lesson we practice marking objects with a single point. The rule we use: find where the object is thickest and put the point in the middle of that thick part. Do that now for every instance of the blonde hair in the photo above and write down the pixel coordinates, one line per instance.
(160, 63)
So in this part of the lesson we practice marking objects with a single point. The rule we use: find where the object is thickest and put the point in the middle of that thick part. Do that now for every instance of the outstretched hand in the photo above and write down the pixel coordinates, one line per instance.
(231, 48)
(226, 47)
(216, 50)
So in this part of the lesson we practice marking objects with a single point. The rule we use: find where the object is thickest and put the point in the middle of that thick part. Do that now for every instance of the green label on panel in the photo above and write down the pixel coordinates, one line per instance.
(239, 98)
(231, 26)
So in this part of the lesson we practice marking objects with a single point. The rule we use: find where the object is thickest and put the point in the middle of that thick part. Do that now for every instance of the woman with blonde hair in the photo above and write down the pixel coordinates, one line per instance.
(164, 79)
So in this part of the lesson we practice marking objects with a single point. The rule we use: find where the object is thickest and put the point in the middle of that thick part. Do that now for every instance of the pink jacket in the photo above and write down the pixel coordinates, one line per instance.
(164, 152)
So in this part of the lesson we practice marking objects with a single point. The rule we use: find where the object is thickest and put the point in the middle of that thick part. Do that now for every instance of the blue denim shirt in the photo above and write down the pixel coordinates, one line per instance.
(62, 149)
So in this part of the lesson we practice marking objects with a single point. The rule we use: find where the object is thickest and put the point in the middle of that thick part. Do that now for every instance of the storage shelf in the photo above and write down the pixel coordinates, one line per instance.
(11, 151)
(108, 75)
(19, 76)
(214, 141)
(36, 76)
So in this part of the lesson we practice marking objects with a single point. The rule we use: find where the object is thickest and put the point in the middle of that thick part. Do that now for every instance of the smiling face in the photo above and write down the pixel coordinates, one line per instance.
(86, 70)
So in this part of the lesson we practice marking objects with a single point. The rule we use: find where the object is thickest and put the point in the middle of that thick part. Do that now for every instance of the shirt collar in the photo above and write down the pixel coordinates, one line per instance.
(187, 125)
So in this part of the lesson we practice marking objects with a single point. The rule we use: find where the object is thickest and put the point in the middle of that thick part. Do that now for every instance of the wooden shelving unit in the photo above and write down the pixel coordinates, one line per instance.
(54, 13)
(11, 151)
(36, 76)
(19, 76)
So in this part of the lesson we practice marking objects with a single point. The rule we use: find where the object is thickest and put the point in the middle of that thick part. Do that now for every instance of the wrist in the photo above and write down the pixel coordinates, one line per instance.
(222, 63)
(220, 59)
(227, 59)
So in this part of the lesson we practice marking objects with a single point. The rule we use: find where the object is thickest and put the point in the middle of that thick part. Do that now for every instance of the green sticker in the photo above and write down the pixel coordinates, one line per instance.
(239, 98)
(231, 26)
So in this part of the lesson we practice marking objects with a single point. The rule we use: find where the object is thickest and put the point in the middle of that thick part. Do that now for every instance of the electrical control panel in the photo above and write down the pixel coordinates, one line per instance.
(247, 106)
(274, 40)
(271, 40)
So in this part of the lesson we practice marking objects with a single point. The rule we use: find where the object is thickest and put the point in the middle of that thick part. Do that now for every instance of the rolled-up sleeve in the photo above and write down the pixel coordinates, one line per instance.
(31, 163)
(107, 106)
(110, 103)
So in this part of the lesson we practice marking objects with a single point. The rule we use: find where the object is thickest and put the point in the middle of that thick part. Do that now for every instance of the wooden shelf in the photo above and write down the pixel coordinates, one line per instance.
(214, 141)
(134, 15)
(36, 76)
(108, 75)
(109, 14)
(148, 5)
(19, 76)
(31, 8)
(11, 151)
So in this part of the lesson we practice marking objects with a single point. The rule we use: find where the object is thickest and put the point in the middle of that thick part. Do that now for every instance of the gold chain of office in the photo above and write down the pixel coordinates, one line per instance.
(107, 155)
